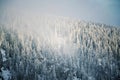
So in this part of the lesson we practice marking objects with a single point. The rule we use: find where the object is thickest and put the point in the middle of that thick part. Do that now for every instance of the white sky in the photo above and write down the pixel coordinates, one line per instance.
(101, 11)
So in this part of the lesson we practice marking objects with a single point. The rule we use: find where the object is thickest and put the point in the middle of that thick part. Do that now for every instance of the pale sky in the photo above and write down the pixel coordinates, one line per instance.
(100, 11)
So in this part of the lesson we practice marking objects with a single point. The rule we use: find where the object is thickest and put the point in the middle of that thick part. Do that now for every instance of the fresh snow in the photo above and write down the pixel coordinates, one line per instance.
(47, 48)
(3, 55)
(6, 74)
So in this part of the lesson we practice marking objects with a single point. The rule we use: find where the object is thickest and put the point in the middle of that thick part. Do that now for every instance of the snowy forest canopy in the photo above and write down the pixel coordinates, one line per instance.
(58, 48)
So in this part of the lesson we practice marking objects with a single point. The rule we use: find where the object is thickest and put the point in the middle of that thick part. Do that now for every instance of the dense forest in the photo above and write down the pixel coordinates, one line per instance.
(59, 49)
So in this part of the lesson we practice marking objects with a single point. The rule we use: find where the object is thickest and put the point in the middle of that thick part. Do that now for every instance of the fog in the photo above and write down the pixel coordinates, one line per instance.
(59, 40)
(99, 11)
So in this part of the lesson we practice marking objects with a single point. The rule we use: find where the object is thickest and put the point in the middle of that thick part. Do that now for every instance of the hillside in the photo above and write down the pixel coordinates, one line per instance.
(58, 48)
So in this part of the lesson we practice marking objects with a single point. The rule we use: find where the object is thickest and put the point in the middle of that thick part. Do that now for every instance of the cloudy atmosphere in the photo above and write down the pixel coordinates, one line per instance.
(100, 11)
(59, 40)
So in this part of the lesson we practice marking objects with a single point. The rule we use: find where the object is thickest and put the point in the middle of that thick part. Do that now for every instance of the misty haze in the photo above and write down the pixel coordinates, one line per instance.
(59, 40)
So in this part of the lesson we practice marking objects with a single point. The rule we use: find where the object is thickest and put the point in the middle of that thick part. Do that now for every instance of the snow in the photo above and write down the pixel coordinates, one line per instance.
(99, 61)
(4, 59)
(3, 52)
(6, 74)
(61, 49)
(3, 55)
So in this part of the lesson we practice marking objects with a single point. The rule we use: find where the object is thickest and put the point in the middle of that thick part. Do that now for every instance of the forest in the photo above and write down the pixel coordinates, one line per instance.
(57, 48)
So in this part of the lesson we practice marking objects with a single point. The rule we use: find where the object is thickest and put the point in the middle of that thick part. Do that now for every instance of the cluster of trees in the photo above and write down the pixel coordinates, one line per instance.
(96, 57)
